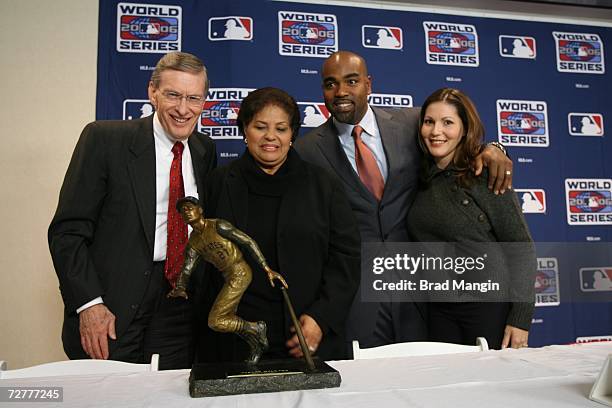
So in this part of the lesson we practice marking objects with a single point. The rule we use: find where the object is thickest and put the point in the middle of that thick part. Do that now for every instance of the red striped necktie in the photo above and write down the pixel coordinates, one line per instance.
(368, 170)
(177, 229)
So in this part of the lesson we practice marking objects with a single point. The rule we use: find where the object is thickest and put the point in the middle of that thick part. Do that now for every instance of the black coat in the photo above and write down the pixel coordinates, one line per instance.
(317, 242)
(102, 235)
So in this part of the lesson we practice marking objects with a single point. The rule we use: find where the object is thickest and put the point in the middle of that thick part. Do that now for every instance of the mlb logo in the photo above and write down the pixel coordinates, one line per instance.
(218, 118)
(451, 44)
(579, 53)
(390, 100)
(585, 124)
(313, 114)
(596, 279)
(148, 28)
(547, 282)
(512, 46)
(522, 123)
(533, 201)
(230, 28)
(589, 201)
(137, 108)
(389, 38)
(307, 34)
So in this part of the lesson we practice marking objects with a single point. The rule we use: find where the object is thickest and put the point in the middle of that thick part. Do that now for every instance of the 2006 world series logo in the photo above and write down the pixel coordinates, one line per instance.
(148, 28)
(547, 282)
(451, 44)
(307, 34)
(390, 100)
(579, 53)
(522, 123)
(218, 118)
(589, 201)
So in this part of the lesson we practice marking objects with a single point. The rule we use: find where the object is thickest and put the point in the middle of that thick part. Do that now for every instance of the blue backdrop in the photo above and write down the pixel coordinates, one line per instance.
(540, 88)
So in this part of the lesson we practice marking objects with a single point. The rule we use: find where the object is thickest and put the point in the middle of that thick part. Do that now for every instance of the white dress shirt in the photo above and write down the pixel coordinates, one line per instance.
(163, 161)
(370, 136)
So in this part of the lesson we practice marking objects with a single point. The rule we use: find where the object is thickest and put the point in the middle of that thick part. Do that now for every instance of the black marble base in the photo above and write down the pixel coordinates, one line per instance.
(211, 380)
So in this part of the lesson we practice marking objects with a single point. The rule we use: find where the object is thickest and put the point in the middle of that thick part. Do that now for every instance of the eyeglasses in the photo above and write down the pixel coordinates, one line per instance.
(175, 98)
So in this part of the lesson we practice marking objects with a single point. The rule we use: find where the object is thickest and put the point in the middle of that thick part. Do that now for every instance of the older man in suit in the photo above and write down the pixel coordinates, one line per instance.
(376, 155)
(117, 240)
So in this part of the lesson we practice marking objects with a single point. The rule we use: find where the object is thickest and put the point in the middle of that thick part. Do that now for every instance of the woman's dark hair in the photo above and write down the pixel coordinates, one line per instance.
(471, 143)
(260, 98)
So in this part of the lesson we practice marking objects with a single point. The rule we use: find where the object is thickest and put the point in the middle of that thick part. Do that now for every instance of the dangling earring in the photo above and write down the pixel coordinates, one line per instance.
(290, 144)
(245, 142)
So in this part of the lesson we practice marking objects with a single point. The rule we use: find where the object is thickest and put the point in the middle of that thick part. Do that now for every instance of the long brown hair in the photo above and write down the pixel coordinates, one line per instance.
(471, 143)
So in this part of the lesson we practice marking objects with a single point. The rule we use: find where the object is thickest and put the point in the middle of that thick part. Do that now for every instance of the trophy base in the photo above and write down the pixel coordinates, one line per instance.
(211, 380)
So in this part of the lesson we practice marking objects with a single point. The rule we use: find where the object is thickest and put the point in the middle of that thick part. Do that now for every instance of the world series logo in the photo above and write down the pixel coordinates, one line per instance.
(585, 124)
(547, 282)
(313, 114)
(218, 118)
(589, 201)
(596, 279)
(451, 44)
(389, 38)
(148, 28)
(533, 201)
(307, 34)
(390, 100)
(230, 28)
(522, 123)
(513, 46)
(579, 53)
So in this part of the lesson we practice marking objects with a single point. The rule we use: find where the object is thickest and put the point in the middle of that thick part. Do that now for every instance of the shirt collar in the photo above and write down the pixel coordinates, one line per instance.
(160, 134)
(368, 123)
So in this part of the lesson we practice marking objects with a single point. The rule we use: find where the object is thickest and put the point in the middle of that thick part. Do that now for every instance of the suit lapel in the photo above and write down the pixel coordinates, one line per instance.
(330, 146)
(142, 173)
(198, 154)
(390, 134)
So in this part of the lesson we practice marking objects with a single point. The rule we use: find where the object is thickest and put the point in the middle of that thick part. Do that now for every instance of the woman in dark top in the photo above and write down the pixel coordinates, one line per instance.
(454, 205)
(300, 218)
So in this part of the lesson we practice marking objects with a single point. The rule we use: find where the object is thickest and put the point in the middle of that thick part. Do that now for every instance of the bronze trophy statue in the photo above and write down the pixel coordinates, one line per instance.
(218, 242)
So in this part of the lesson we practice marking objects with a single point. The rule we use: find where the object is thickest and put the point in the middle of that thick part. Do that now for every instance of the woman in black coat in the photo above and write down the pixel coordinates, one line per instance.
(455, 205)
(300, 218)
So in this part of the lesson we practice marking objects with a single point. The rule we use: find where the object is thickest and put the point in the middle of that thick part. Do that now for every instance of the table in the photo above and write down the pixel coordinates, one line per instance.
(552, 376)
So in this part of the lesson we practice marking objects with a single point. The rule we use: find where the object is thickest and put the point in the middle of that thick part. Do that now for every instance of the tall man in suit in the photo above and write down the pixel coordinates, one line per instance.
(375, 154)
(117, 239)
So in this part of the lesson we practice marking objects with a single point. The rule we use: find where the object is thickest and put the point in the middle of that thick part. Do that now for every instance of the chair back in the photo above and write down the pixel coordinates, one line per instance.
(416, 348)
(78, 367)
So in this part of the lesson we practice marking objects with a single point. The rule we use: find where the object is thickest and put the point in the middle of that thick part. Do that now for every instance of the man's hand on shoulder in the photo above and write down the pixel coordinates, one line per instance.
(96, 325)
(500, 168)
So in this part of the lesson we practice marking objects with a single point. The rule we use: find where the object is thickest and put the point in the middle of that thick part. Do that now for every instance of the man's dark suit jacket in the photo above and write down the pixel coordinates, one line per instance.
(102, 235)
(378, 222)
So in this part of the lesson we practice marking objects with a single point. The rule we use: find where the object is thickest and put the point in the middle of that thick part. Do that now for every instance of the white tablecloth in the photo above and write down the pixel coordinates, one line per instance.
(554, 376)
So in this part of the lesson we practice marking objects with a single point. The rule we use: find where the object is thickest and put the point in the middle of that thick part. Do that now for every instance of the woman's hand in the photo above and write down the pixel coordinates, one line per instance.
(514, 337)
(312, 334)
